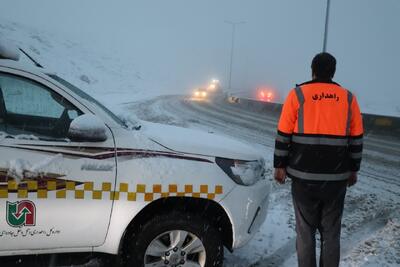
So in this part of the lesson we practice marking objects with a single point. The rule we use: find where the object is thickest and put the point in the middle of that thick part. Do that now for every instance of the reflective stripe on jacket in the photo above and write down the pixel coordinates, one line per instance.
(319, 132)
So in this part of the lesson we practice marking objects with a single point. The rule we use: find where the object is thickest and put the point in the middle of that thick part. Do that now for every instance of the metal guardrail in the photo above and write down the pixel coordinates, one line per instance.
(382, 123)
(372, 122)
(255, 105)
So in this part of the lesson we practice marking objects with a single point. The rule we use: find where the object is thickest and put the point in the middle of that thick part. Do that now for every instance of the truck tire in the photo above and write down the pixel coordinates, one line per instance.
(172, 240)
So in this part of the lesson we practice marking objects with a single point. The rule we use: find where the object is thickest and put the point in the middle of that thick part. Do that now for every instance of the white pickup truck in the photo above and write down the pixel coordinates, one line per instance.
(74, 178)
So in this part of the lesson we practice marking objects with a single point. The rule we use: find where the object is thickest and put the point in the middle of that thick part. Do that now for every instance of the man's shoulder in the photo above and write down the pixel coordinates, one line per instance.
(305, 83)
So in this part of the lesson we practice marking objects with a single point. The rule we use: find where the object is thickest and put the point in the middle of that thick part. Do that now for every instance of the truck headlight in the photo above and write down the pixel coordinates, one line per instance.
(243, 172)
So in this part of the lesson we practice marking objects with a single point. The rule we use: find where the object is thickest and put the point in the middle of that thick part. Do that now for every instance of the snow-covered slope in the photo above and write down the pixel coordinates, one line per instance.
(110, 78)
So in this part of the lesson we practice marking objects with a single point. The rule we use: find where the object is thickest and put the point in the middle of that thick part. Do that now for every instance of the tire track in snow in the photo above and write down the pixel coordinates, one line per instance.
(180, 113)
(228, 118)
(270, 119)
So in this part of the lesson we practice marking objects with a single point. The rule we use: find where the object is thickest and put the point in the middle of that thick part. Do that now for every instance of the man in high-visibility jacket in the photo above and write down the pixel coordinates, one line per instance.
(319, 145)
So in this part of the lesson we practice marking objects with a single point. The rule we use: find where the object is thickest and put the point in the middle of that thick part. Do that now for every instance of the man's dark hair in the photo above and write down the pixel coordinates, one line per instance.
(323, 66)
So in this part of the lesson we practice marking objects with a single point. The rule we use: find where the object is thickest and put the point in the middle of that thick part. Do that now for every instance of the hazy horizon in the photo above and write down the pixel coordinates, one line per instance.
(185, 43)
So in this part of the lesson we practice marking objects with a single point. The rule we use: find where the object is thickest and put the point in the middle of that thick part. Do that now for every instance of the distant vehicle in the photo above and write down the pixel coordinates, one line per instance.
(75, 178)
(266, 95)
(214, 86)
(210, 92)
(200, 94)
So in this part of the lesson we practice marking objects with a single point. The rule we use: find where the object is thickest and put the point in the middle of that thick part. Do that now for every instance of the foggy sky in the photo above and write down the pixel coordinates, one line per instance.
(186, 42)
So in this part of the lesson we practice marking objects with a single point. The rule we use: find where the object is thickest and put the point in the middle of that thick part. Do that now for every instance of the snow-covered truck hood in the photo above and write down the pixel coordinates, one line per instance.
(198, 142)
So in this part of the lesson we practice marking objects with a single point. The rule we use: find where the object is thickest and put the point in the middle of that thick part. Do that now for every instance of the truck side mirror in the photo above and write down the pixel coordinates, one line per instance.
(87, 128)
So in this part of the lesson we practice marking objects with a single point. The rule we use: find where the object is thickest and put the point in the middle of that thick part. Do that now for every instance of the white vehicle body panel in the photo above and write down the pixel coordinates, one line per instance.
(61, 209)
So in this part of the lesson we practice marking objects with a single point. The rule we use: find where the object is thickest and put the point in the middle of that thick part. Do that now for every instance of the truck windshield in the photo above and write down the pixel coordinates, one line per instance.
(87, 97)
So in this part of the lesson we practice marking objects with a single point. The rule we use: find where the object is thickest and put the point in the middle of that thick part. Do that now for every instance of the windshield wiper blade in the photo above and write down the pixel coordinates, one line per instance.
(31, 58)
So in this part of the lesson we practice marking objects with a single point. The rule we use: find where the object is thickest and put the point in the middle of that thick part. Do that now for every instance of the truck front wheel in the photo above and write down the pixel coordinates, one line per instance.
(175, 240)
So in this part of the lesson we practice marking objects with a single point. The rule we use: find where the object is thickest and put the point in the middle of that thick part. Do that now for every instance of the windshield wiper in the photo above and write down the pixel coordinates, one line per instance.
(37, 64)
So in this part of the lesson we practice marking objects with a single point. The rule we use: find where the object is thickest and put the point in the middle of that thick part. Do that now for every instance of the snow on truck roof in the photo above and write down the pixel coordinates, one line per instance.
(10, 58)
(8, 50)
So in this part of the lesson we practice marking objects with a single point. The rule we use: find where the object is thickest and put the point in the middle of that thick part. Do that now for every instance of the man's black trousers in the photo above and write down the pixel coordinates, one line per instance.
(318, 206)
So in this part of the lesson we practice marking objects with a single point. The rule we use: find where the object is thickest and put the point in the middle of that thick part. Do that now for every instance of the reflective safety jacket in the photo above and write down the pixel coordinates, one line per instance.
(320, 133)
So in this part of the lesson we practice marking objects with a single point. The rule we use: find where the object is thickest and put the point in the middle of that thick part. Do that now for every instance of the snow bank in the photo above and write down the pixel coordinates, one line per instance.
(25, 137)
(380, 249)
(18, 136)
(20, 168)
(130, 120)
(17, 167)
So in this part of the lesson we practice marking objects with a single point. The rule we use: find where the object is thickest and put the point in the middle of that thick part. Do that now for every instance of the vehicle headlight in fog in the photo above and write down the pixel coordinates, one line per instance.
(197, 93)
(203, 94)
(243, 172)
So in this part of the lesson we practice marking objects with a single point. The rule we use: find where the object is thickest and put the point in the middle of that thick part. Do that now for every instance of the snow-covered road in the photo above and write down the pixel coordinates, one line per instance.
(371, 222)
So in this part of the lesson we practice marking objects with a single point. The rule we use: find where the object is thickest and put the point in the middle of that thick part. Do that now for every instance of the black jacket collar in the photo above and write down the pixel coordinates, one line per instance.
(319, 81)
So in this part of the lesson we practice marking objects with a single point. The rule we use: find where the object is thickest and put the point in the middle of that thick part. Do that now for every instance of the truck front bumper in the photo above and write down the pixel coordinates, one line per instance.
(247, 208)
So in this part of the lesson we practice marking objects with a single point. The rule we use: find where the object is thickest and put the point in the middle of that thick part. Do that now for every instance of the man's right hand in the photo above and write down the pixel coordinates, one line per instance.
(280, 175)
(352, 179)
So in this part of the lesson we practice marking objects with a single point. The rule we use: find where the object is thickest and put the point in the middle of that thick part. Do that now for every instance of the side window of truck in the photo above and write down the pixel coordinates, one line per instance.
(27, 107)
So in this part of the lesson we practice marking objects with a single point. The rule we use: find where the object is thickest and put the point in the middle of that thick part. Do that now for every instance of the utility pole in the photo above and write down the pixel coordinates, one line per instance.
(328, 3)
(233, 24)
